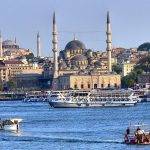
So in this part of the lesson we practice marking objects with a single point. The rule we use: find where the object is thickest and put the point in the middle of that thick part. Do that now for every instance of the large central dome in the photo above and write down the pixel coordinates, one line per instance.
(75, 45)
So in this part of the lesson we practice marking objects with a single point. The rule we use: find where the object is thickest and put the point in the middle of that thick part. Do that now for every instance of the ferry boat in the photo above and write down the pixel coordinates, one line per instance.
(10, 124)
(94, 98)
(137, 134)
(33, 98)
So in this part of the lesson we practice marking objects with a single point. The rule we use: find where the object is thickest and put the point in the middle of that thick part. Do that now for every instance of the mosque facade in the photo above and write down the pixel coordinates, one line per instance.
(77, 67)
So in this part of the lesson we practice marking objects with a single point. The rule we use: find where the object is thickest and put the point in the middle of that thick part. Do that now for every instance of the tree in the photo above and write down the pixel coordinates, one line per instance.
(117, 68)
(11, 84)
(1, 85)
(29, 56)
(127, 82)
(142, 66)
(144, 47)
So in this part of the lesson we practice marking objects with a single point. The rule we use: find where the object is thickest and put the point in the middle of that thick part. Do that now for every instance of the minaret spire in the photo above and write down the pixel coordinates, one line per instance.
(1, 48)
(108, 18)
(74, 37)
(55, 46)
(38, 45)
(109, 42)
(15, 40)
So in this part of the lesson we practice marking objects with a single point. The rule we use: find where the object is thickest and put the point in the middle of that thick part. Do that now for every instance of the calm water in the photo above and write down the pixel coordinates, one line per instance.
(45, 128)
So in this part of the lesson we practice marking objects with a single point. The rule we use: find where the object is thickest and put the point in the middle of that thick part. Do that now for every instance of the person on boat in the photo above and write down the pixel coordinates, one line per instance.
(139, 135)
(17, 126)
(146, 139)
(1, 125)
(126, 135)
(128, 131)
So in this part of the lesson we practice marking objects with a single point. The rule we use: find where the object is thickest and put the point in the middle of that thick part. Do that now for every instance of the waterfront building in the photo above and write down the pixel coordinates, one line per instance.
(87, 82)
(10, 68)
(127, 67)
(144, 80)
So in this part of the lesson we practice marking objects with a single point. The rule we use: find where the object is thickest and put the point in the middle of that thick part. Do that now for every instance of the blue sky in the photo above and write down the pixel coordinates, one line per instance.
(86, 18)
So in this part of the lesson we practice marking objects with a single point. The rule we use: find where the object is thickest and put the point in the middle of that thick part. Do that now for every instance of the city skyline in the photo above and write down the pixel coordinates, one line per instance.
(85, 19)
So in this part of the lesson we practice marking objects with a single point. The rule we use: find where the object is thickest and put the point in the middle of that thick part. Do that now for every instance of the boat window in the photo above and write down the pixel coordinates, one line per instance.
(54, 95)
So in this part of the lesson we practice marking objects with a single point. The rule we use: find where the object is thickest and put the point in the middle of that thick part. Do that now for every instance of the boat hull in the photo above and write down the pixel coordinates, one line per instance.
(86, 105)
(13, 127)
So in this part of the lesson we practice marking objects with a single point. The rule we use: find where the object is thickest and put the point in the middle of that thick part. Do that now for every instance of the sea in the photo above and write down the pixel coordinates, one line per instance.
(46, 128)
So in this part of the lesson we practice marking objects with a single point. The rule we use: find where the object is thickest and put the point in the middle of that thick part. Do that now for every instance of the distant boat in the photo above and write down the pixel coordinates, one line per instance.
(34, 98)
(10, 124)
(94, 98)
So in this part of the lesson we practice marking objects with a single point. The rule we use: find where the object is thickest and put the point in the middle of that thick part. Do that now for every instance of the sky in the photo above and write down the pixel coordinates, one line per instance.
(86, 19)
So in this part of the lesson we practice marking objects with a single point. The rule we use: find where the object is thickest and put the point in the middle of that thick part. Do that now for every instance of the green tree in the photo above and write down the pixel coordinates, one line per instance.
(117, 68)
(1, 85)
(142, 66)
(11, 84)
(144, 47)
(30, 56)
(127, 81)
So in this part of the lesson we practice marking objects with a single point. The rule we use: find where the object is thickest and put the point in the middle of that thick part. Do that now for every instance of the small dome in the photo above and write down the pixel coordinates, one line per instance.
(79, 58)
(97, 64)
(8, 42)
(74, 45)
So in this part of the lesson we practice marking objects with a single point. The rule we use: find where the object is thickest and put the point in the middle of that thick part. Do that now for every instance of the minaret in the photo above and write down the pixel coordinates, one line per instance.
(38, 45)
(55, 47)
(1, 48)
(109, 42)
(15, 40)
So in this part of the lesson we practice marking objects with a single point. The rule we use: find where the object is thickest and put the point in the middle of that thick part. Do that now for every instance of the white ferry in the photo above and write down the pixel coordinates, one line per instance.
(94, 98)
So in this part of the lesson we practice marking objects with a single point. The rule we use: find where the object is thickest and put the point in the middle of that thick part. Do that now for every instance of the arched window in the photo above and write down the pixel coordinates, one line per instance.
(75, 86)
(115, 85)
(95, 86)
(82, 86)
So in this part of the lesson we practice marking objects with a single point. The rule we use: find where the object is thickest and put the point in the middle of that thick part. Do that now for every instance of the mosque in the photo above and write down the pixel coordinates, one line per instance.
(77, 67)
(10, 49)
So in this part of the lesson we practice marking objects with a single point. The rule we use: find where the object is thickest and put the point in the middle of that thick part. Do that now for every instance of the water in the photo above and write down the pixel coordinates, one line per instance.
(45, 128)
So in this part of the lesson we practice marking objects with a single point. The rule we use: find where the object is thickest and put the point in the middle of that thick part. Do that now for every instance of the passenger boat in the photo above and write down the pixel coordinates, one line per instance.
(33, 98)
(10, 124)
(94, 98)
(137, 135)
